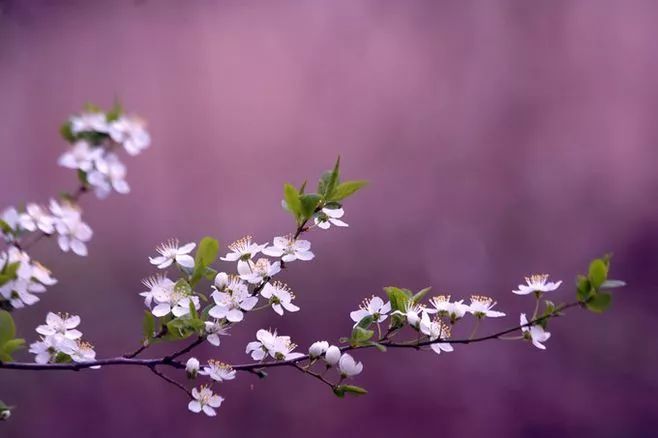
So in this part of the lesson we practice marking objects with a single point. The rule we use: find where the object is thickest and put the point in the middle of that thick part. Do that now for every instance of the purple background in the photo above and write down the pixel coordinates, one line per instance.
(500, 138)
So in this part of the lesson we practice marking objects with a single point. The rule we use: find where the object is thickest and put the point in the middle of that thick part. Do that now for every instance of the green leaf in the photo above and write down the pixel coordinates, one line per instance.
(7, 327)
(366, 321)
(584, 288)
(360, 335)
(206, 254)
(148, 325)
(598, 273)
(115, 112)
(309, 202)
(420, 295)
(13, 345)
(398, 298)
(182, 328)
(11, 269)
(599, 302)
(378, 346)
(183, 287)
(341, 390)
(66, 132)
(63, 358)
(329, 181)
(82, 177)
(291, 197)
(346, 189)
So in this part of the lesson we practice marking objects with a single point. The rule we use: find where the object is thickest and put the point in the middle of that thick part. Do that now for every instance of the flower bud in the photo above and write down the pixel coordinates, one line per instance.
(348, 366)
(192, 367)
(5, 414)
(332, 356)
(221, 280)
(317, 349)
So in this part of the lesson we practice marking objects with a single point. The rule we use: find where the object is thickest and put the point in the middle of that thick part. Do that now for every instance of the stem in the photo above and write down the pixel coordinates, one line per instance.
(170, 380)
(475, 328)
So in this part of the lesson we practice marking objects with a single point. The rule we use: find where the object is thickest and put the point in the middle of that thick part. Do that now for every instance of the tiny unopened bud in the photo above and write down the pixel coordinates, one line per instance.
(332, 356)
(192, 367)
(4, 415)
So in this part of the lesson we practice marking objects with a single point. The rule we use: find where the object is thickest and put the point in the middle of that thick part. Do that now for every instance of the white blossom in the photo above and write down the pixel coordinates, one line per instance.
(535, 333)
(257, 272)
(83, 352)
(290, 249)
(172, 299)
(47, 349)
(61, 324)
(30, 278)
(11, 219)
(204, 400)
(232, 299)
(35, 218)
(109, 173)
(130, 133)
(436, 329)
(317, 349)
(158, 285)
(280, 296)
(242, 251)
(444, 307)
(278, 347)
(192, 367)
(481, 306)
(332, 355)
(215, 329)
(348, 366)
(218, 371)
(72, 232)
(171, 252)
(412, 313)
(89, 122)
(81, 156)
(537, 284)
(329, 216)
(374, 307)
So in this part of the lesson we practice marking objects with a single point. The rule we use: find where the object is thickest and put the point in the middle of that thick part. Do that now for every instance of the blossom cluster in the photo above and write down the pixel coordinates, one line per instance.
(61, 341)
(95, 136)
(29, 278)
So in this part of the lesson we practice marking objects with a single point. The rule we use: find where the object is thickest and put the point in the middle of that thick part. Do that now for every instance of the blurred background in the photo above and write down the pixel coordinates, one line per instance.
(500, 138)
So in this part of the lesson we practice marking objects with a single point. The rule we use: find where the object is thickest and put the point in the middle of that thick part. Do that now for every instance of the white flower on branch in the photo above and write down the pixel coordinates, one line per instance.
(317, 349)
(36, 218)
(83, 352)
(242, 251)
(72, 232)
(61, 324)
(412, 313)
(436, 329)
(192, 367)
(348, 366)
(130, 133)
(280, 297)
(215, 329)
(444, 307)
(204, 400)
(535, 333)
(218, 371)
(172, 299)
(89, 122)
(47, 349)
(481, 306)
(290, 249)
(31, 278)
(332, 355)
(81, 156)
(158, 285)
(257, 272)
(278, 347)
(329, 216)
(374, 307)
(110, 173)
(171, 252)
(11, 219)
(231, 298)
(537, 284)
